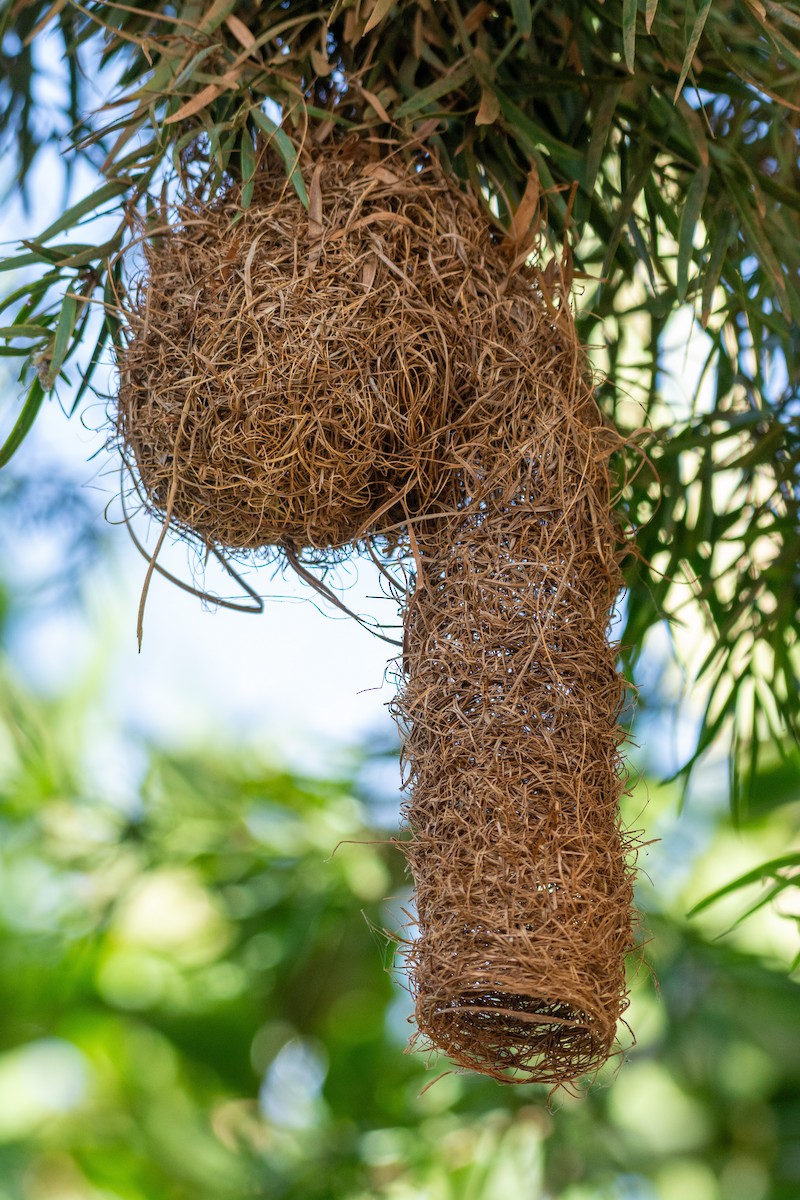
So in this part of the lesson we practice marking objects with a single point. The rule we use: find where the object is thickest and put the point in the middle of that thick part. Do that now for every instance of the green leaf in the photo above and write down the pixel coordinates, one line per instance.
(30, 290)
(248, 167)
(754, 229)
(601, 120)
(89, 204)
(692, 209)
(694, 40)
(51, 255)
(720, 241)
(23, 422)
(25, 331)
(92, 255)
(767, 870)
(522, 123)
(523, 16)
(216, 14)
(626, 203)
(64, 328)
(286, 149)
(629, 11)
(451, 82)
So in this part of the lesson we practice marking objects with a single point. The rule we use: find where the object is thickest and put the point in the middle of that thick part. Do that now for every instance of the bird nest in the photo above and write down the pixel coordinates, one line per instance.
(293, 376)
(379, 368)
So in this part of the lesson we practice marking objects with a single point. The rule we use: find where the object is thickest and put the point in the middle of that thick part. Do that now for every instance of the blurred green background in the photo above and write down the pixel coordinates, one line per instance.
(200, 995)
(198, 998)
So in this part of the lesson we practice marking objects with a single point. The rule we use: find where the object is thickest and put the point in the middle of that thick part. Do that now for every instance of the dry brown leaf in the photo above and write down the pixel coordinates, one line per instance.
(528, 207)
(489, 109)
(353, 30)
(378, 171)
(240, 31)
(320, 63)
(477, 15)
(196, 103)
(376, 104)
(381, 9)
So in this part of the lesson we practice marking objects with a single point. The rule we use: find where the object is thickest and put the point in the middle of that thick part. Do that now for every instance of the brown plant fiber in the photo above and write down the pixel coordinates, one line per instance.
(523, 889)
(306, 364)
(378, 369)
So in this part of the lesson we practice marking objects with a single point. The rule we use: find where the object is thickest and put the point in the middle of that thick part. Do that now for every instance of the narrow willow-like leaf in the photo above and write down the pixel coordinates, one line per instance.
(286, 149)
(711, 275)
(629, 11)
(216, 14)
(90, 204)
(692, 209)
(755, 232)
(522, 122)
(627, 201)
(30, 291)
(23, 423)
(100, 345)
(766, 870)
(521, 10)
(425, 96)
(694, 41)
(42, 255)
(64, 328)
(24, 331)
(601, 123)
(248, 167)
(650, 14)
(381, 9)
(196, 103)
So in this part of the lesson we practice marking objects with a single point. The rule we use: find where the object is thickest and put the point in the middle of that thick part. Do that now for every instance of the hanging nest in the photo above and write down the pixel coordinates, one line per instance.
(379, 368)
(292, 376)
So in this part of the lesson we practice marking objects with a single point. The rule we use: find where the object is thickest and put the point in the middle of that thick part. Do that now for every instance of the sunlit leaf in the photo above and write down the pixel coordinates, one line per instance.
(24, 331)
(769, 869)
(434, 91)
(380, 9)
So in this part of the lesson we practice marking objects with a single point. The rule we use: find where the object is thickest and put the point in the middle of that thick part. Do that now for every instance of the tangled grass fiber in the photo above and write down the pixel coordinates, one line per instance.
(523, 888)
(380, 370)
(293, 375)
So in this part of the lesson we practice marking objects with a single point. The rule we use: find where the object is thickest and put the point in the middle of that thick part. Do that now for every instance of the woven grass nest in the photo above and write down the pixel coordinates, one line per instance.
(293, 375)
(378, 369)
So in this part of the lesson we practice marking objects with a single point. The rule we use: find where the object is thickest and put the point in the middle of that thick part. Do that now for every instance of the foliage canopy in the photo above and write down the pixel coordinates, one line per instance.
(658, 142)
